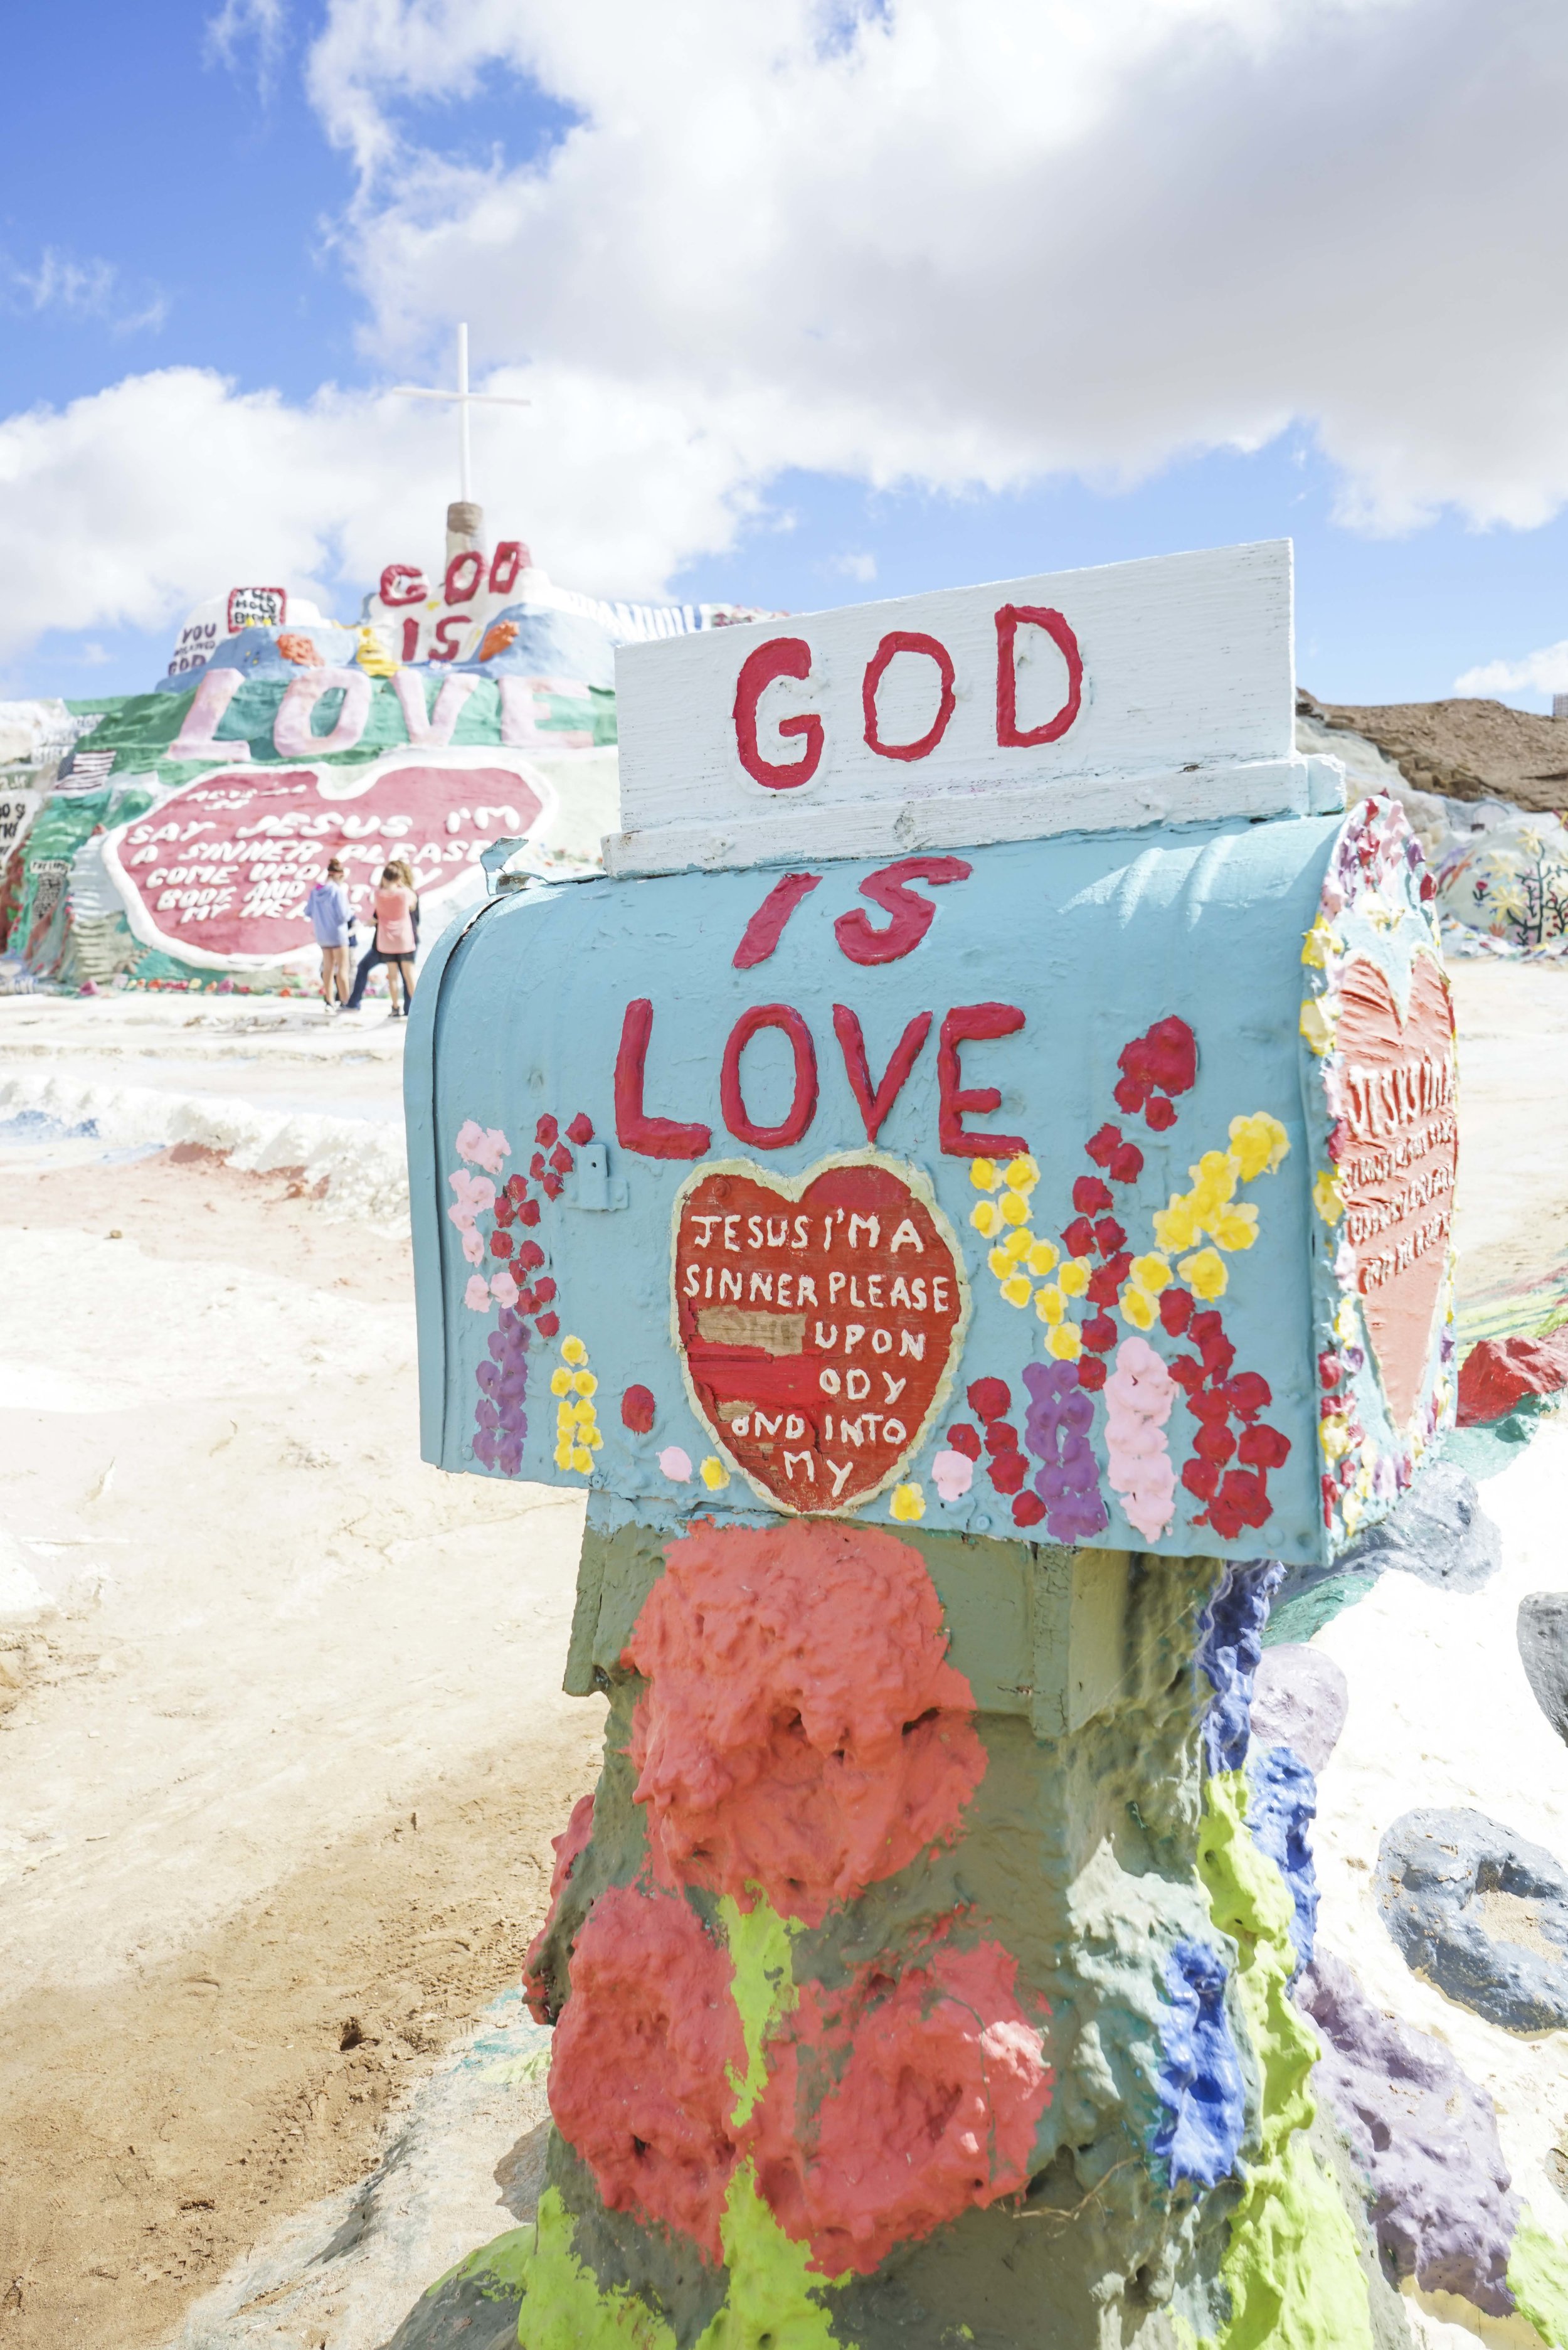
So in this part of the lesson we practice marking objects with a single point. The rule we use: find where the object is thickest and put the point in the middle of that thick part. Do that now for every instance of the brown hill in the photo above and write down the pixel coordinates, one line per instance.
(1468, 749)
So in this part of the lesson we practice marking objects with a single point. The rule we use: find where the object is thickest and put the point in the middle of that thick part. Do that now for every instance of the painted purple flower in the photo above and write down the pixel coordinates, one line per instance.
(1056, 1429)
(501, 1423)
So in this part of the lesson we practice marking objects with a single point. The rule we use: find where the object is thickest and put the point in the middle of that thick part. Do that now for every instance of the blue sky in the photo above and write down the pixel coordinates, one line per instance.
(163, 209)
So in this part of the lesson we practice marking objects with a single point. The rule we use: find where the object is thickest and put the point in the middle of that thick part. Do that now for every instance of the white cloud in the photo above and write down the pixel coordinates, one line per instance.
(243, 25)
(1544, 671)
(957, 243)
(978, 241)
(862, 568)
(86, 290)
(125, 508)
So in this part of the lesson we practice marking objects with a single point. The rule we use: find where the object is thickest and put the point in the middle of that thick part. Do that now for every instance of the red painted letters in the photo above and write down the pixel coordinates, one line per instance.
(964, 1023)
(763, 931)
(780, 657)
(912, 914)
(875, 1106)
(655, 1138)
(463, 574)
(403, 583)
(802, 1109)
(509, 557)
(907, 640)
(1009, 620)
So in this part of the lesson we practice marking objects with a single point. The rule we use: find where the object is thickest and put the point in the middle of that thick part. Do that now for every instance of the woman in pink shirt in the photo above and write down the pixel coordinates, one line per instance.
(395, 935)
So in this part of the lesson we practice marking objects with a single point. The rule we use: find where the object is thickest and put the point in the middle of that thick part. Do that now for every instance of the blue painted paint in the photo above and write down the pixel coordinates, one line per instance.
(1199, 2083)
(1230, 1645)
(1094, 940)
(1281, 1804)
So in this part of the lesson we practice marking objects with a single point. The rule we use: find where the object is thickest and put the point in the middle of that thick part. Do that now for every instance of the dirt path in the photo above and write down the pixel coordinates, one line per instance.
(284, 1758)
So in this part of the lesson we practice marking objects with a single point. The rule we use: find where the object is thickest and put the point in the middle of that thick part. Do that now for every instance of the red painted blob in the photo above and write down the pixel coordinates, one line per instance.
(802, 1731)
(639, 2075)
(935, 2109)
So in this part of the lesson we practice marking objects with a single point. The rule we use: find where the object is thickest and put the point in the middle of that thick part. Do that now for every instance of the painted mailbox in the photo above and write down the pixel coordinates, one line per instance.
(972, 1180)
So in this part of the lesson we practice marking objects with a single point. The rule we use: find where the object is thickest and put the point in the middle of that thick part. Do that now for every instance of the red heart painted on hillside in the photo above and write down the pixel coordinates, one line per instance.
(819, 1322)
(1399, 1148)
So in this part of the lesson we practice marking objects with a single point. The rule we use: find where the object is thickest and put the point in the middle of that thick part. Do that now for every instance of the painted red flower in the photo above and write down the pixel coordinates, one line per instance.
(639, 2077)
(990, 1398)
(936, 2080)
(802, 1729)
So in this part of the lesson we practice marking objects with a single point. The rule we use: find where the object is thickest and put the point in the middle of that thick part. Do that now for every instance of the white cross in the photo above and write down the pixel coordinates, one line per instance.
(465, 400)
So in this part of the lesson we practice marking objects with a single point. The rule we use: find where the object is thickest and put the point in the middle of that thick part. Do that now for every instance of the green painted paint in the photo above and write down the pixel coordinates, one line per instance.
(763, 1988)
(773, 2302)
(1290, 2267)
(563, 2306)
(1538, 2279)
(503, 2262)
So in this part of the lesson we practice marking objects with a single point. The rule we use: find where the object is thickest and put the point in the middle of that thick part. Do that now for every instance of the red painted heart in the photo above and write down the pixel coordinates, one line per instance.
(1399, 1146)
(819, 1322)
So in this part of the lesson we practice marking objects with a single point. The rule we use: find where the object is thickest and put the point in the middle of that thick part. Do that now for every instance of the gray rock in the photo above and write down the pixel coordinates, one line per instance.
(1300, 1700)
(1439, 1532)
(1544, 1651)
(1480, 1912)
(1423, 2137)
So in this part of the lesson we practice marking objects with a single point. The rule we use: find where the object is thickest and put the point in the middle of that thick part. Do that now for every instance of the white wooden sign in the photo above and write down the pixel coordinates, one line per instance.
(1075, 701)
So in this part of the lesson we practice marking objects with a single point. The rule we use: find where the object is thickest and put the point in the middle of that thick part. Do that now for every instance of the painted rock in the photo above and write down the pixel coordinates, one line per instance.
(1481, 1912)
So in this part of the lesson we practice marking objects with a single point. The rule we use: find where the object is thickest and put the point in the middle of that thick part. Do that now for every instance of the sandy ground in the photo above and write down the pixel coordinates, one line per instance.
(282, 1745)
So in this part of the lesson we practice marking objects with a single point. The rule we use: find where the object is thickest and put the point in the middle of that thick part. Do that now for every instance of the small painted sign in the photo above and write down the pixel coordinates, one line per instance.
(1071, 701)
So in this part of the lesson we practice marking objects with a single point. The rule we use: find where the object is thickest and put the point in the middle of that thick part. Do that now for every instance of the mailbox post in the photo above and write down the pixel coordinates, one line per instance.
(970, 1183)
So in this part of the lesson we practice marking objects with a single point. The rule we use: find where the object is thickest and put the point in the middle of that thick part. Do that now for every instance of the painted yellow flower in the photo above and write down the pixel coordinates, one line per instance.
(1074, 1277)
(563, 1456)
(573, 1351)
(1319, 943)
(1016, 1290)
(1138, 1307)
(1318, 1020)
(1326, 1195)
(984, 1217)
(714, 1474)
(1065, 1343)
(1205, 1273)
(1334, 1435)
(560, 1383)
(1150, 1272)
(1022, 1173)
(1014, 1208)
(583, 1410)
(983, 1174)
(1176, 1227)
(1042, 1256)
(1234, 1228)
(565, 1417)
(1018, 1243)
(586, 1383)
(1001, 1263)
(582, 1460)
(1050, 1304)
(907, 1505)
(1258, 1145)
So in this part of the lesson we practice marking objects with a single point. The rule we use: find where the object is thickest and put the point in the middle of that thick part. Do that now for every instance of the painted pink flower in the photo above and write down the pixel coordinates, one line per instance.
(953, 1474)
(482, 1145)
(472, 1246)
(503, 1288)
(475, 1197)
(1138, 1397)
(675, 1464)
(477, 1296)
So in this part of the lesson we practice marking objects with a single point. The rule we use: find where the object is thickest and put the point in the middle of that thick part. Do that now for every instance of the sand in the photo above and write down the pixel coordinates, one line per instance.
(283, 1746)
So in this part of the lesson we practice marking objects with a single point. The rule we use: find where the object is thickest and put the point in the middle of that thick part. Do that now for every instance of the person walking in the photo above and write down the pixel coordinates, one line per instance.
(373, 958)
(327, 907)
(395, 904)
